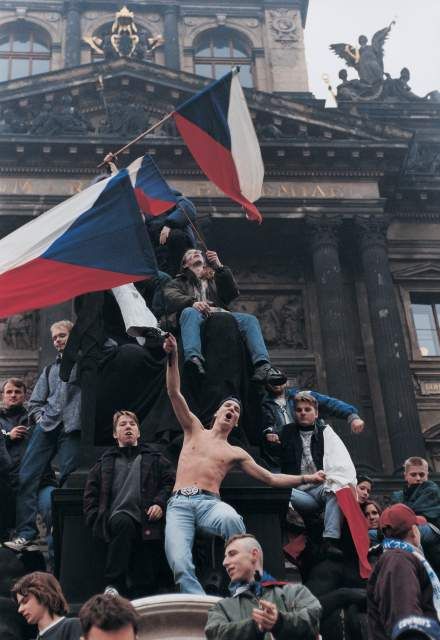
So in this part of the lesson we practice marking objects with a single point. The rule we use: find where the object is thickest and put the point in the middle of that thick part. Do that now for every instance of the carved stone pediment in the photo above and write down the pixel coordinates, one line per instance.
(88, 99)
(420, 271)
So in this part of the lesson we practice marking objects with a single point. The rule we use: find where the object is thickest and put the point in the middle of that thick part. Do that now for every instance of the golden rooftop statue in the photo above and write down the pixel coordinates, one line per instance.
(124, 41)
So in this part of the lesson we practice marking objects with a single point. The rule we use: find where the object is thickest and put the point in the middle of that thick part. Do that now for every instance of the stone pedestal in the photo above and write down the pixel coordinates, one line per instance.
(392, 361)
(79, 559)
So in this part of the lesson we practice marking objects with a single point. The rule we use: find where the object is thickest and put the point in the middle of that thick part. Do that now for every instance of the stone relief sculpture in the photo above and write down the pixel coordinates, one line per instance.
(283, 27)
(20, 332)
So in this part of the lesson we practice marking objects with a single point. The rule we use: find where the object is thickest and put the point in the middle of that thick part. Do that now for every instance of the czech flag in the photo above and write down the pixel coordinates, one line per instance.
(153, 194)
(341, 479)
(93, 241)
(217, 128)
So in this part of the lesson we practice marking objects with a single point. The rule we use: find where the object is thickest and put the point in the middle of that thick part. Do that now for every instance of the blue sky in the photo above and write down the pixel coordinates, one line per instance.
(414, 41)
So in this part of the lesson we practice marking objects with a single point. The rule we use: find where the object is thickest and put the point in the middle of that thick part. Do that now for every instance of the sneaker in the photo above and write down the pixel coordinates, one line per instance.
(294, 518)
(330, 549)
(111, 591)
(18, 544)
(261, 372)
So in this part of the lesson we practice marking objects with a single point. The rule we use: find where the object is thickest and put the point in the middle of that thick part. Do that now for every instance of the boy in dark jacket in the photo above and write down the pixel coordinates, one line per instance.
(124, 502)
(197, 292)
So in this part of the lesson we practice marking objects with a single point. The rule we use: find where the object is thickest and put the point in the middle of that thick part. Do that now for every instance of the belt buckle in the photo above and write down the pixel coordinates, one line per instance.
(189, 491)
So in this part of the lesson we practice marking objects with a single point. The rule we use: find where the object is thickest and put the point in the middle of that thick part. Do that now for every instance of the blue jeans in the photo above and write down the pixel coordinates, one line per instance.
(191, 321)
(315, 500)
(42, 447)
(186, 514)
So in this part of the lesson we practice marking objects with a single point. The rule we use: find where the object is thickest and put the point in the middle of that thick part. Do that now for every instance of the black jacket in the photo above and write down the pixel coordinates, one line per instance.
(179, 293)
(157, 481)
(290, 450)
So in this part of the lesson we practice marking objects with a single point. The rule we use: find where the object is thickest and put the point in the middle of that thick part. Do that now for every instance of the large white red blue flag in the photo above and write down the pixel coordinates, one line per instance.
(93, 241)
(341, 479)
(217, 128)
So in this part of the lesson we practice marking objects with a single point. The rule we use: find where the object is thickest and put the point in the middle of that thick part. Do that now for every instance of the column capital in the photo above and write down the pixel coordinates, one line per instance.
(372, 231)
(323, 230)
(170, 9)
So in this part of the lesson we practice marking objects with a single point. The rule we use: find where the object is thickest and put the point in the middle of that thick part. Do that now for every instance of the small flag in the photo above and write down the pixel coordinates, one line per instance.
(93, 241)
(217, 128)
(153, 194)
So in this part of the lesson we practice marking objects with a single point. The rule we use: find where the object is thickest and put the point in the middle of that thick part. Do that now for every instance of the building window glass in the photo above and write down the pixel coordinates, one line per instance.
(426, 314)
(218, 50)
(25, 50)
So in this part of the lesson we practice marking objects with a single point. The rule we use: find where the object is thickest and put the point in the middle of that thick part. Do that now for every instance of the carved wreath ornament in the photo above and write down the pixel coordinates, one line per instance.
(283, 26)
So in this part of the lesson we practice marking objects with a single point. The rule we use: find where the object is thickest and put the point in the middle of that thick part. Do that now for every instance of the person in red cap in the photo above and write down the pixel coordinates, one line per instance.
(402, 583)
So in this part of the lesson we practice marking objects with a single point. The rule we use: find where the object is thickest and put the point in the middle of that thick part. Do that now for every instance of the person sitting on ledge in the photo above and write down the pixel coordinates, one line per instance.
(260, 606)
(108, 617)
(41, 602)
(196, 293)
(124, 502)
(204, 461)
(278, 409)
(304, 445)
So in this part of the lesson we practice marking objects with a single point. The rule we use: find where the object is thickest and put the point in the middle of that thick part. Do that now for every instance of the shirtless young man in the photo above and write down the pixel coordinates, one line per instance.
(204, 461)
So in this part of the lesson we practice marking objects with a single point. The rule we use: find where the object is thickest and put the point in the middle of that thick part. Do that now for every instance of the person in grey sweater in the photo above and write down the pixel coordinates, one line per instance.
(55, 407)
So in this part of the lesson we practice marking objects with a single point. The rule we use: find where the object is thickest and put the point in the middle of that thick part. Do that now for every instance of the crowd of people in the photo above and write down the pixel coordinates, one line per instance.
(147, 510)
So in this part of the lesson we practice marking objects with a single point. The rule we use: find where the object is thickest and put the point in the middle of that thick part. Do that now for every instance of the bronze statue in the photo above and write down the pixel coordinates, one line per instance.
(367, 59)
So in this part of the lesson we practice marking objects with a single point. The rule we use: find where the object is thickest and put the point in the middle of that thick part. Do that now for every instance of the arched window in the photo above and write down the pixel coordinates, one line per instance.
(216, 51)
(25, 50)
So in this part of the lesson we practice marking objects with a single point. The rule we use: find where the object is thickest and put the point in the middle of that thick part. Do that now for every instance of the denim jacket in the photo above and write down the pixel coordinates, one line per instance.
(273, 416)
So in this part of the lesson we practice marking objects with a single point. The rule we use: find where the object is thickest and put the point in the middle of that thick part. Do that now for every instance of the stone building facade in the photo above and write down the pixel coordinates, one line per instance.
(344, 272)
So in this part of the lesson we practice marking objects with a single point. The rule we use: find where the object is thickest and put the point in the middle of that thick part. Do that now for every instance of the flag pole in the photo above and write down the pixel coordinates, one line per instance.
(139, 137)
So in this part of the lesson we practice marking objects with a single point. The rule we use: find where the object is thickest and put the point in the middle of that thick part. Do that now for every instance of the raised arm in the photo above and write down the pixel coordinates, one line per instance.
(188, 421)
(249, 466)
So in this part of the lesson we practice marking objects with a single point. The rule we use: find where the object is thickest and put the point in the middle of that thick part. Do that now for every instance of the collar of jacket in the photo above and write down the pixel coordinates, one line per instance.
(141, 448)
(252, 588)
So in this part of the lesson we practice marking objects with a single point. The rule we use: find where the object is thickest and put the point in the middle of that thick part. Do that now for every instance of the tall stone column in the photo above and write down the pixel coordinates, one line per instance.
(337, 342)
(171, 35)
(73, 33)
(392, 361)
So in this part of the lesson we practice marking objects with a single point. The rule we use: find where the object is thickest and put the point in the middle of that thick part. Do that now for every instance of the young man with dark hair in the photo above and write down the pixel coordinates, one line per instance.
(41, 602)
(260, 607)
(205, 459)
(201, 289)
(124, 502)
(402, 583)
(110, 617)
(364, 488)
(16, 429)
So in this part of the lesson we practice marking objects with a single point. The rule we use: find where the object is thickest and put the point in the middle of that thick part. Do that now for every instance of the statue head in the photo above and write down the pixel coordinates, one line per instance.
(343, 75)
(404, 74)
(363, 40)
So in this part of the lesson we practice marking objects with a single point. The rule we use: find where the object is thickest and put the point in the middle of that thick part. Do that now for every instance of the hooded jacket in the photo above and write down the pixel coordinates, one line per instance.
(299, 611)
(157, 481)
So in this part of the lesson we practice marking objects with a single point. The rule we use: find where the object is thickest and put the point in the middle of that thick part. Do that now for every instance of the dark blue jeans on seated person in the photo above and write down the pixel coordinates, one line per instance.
(42, 448)
(191, 321)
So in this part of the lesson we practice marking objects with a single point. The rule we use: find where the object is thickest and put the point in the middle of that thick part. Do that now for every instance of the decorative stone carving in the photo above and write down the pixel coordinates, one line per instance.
(281, 318)
(424, 159)
(11, 123)
(59, 118)
(19, 332)
(284, 27)
(252, 23)
(125, 40)
(124, 116)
